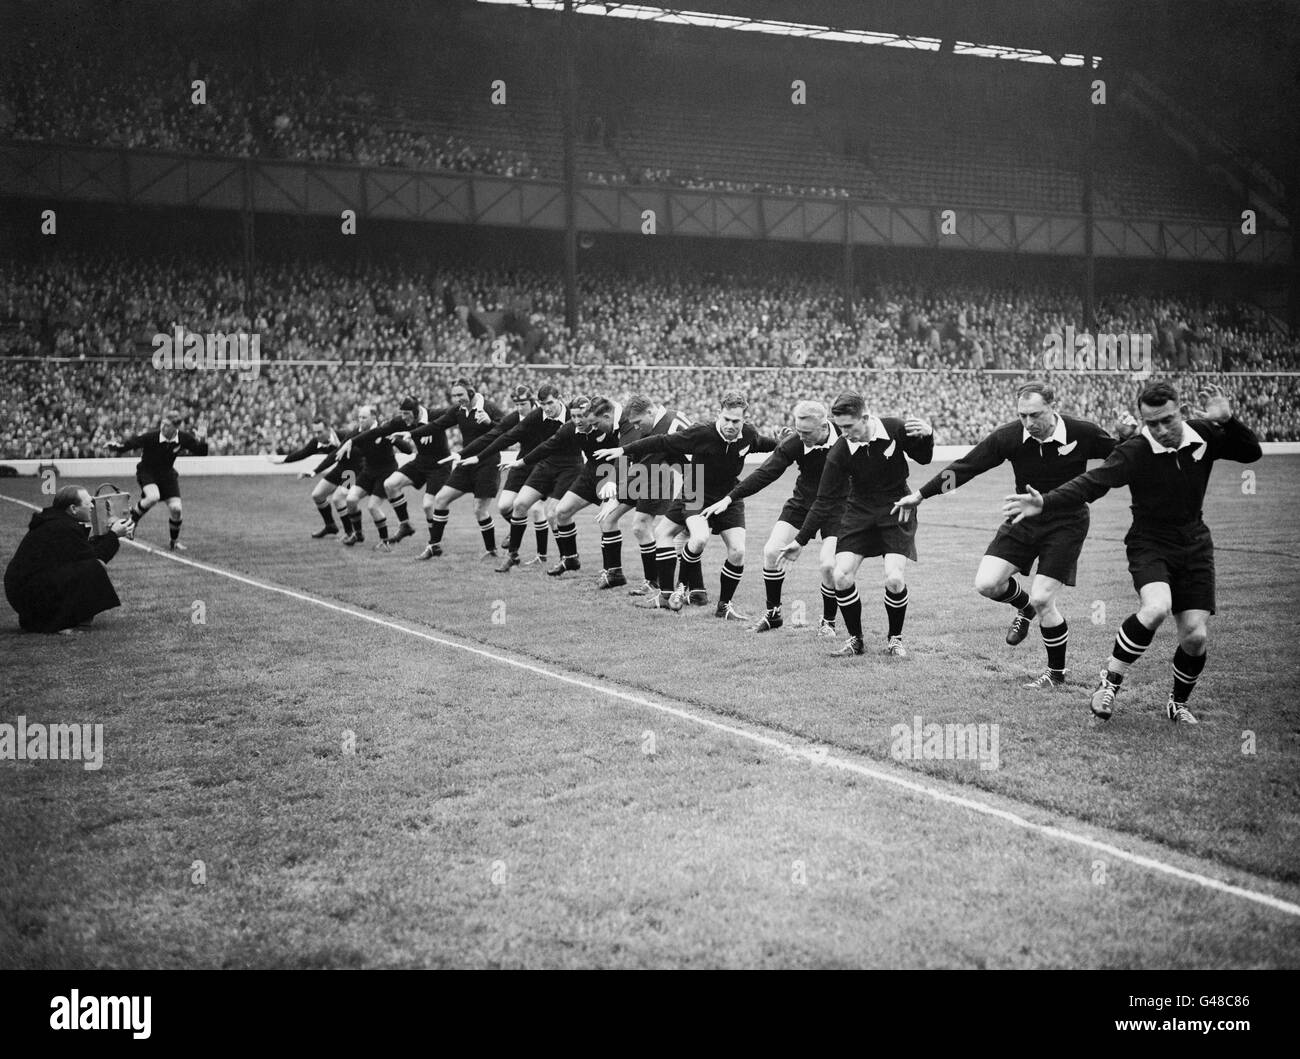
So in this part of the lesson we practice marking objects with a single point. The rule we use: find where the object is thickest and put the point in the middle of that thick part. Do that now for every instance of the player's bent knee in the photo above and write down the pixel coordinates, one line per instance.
(895, 584)
(1153, 614)
(1042, 601)
(1193, 640)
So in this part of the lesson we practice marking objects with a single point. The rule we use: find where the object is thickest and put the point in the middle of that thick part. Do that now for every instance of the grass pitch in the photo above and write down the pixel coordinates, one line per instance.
(286, 785)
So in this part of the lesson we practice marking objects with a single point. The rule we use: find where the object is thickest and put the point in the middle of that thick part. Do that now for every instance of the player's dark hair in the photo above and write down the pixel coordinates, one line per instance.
(579, 405)
(546, 392)
(464, 384)
(68, 494)
(734, 399)
(849, 404)
(1155, 394)
(637, 404)
(601, 406)
(1041, 388)
(521, 393)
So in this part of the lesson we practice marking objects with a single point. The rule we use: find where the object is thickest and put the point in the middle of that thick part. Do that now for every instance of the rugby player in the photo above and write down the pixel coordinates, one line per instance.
(1170, 552)
(593, 428)
(331, 489)
(373, 446)
(814, 435)
(473, 416)
(658, 482)
(717, 451)
(869, 464)
(156, 471)
(1045, 449)
(527, 488)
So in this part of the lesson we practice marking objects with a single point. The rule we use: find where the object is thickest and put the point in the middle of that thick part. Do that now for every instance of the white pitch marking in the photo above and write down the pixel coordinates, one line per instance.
(814, 755)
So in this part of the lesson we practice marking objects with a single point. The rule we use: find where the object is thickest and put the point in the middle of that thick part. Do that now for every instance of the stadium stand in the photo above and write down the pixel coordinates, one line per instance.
(895, 130)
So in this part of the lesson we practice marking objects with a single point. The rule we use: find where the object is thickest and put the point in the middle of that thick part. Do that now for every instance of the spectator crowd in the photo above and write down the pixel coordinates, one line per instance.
(59, 409)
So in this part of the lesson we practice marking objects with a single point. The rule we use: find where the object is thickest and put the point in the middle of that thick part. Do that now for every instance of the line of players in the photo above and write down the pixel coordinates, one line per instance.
(851, 489)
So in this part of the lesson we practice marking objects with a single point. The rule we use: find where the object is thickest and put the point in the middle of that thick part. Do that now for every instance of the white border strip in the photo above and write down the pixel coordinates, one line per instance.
(814, 755)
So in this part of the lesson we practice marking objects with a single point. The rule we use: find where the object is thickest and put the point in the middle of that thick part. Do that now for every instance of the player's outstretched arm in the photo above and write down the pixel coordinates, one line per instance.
(989, 453)
(134, 442)
(547, 448)
(771, 470)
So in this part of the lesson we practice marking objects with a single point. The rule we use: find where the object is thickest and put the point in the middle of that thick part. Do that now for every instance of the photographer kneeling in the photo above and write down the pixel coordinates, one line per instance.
(58, 578)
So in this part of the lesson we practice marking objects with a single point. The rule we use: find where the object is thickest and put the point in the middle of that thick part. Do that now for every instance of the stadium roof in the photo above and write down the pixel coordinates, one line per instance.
(1234, 62)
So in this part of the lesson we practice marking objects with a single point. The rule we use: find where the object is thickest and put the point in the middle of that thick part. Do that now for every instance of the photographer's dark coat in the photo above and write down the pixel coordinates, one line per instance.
(56, 579)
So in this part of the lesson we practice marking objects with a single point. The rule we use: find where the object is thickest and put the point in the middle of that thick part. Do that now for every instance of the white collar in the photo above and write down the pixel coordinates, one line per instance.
(1190, 437)
(878, 433)
(832, 436)
(169, 441)
(1058, 435)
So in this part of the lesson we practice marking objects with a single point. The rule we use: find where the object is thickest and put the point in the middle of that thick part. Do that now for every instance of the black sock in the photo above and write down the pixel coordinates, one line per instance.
(543, 531)
(518, 527)
(438, 525)
(896, 610)
(773, 580)
(399, 509)
(649, 562)
(435, 532)
(692, 573)
(1187, 670)
(1054, 639)
(326, 513)
(381, 524)
(829, 604)
(851, 607)
(731, 575)
(137, 512)
(666, 561)
(489, 534)
(1016, 597)
(174, 528)
(1131, 643)
(566, 540)
(611, 550)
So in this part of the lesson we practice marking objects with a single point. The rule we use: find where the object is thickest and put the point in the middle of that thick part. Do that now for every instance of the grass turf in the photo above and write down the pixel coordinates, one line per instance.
(224, 745)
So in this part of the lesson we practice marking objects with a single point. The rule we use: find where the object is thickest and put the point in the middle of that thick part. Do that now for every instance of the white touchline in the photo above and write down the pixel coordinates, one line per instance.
(815, 755)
